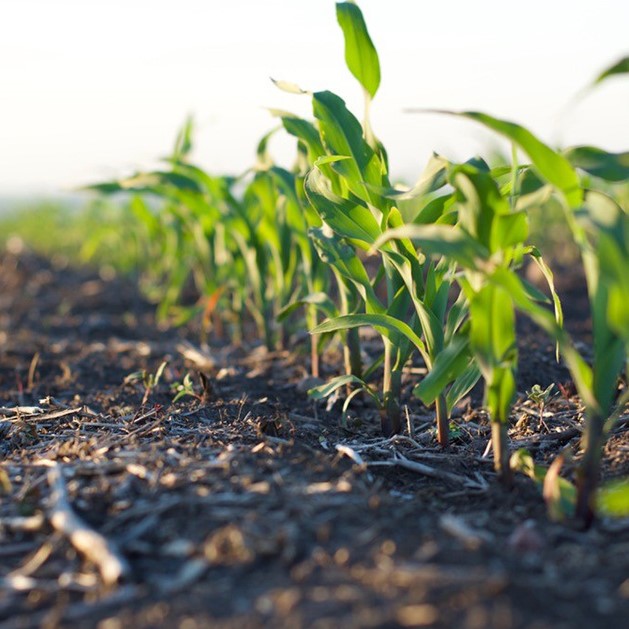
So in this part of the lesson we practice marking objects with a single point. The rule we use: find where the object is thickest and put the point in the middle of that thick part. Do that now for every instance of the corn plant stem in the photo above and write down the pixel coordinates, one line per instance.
(589, 470)
(314, 356)
(499, 443)
(593, 438)
(254, 311)
(391, 387)
(351, 349)
(264, 328)
(270, 339)
(238, 334)
(313, 319)
(386, 378)
(443, 424)
(279, 337)
(622, 401)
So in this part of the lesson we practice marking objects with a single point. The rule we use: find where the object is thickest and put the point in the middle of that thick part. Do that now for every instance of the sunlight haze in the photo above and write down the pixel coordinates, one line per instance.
(92, 90)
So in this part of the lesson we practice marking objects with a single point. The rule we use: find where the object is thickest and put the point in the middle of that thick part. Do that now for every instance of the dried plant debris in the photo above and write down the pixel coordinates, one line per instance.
(246, 505)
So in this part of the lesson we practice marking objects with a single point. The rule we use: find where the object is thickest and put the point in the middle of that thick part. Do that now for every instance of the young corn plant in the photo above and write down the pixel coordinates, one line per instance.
(311, 151)
(349, 188)
(600, 228)
(487, 240)
(249, 250)
(173, 208)
(337, 134)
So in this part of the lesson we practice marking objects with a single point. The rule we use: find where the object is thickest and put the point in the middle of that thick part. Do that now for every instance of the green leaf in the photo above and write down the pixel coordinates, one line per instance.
(492, 330)
(305, 131)
(346, 218)
(462, 385)
(614, 265)
(383, 323)
(433, 178)
(342, 134)
(552, 166)
(417, 203)
(620, 67)
(321, 300)
(493, 343)
(533, 193)
(335, 252)
(160, 178)
(264, 158)
(395, 219)
(449, 364)
(600, 163)
(411, 273)
(613, 498)
(483, 211)
(559, 493)
(437, 210)
(152, 182)
(445, 240)
(499, 394)
(580, 371)
(143, 214)
(508, 230)
(183, 143)
(360, 53)
(522, 461)
(325, 390)
(456, 315)
(329, 159)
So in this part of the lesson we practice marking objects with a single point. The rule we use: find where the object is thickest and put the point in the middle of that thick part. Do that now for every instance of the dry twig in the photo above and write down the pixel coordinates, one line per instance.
(86, 540)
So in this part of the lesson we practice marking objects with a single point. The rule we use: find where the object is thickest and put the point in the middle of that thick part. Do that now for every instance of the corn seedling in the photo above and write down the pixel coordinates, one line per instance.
(600, 228)
(540, 397)
(488, 240)
(149, 380)
(349, 188)
(184, 388)
(434, 268)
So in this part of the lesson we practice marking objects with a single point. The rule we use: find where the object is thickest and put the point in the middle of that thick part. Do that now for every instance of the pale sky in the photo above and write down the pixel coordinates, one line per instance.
(92, 89)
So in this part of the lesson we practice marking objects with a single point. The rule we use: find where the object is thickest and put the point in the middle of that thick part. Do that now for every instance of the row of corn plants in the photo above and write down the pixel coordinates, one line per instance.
(331, 244)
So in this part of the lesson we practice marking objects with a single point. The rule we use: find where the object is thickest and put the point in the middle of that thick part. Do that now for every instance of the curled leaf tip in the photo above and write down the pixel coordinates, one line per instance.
(287, 86)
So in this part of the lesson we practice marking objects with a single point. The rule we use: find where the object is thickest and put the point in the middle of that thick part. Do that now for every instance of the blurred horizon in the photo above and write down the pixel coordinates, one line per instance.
(96, 90)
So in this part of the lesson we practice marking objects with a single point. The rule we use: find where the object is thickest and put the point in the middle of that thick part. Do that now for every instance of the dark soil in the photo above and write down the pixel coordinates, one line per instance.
(249, 507)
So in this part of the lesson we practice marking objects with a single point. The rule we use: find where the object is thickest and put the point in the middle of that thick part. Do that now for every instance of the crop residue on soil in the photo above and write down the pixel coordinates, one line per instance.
(249, 507)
